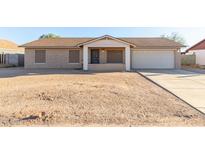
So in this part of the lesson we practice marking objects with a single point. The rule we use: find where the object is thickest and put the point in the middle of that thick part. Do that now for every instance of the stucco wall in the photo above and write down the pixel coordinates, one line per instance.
(177, 59)
(55, 58)
(200, 56)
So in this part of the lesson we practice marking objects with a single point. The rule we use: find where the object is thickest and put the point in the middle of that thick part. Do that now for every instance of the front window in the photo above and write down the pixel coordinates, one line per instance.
(74, 56)
(114, 56)
(40, 56)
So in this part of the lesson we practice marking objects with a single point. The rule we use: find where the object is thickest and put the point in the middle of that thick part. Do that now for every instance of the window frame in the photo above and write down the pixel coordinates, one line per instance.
(69, 56)
(35, 56)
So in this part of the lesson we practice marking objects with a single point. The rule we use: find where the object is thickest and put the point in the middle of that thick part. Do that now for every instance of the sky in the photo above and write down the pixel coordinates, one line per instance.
(21, 35)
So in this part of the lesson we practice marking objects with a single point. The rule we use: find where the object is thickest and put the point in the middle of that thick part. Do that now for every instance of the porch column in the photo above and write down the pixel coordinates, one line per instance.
(85, 58)
(127, 58)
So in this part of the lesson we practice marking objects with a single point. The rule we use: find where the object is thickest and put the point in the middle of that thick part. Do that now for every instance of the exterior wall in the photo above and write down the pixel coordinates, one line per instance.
(55, 58)
(106, 67)
(200, 56)
(176, 58)
(103, 57)
(127, 58)
(59, 58)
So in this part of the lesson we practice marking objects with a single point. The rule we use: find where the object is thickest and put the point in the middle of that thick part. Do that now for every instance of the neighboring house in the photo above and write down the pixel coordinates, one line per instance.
(199, 51)
(103, 53)
(10, 53)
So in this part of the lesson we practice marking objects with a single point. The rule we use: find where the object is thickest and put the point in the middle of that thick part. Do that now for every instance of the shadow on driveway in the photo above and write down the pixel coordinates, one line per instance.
(196, 70)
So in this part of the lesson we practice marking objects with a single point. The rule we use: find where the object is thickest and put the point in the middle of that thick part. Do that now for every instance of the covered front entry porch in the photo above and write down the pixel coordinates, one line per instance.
(106, 53)
(106, 59)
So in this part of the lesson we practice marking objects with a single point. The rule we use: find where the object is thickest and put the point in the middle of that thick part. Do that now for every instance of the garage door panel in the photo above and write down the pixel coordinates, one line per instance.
(152, 59)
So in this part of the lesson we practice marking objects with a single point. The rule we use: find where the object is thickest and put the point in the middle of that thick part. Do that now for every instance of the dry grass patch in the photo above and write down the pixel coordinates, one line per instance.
(91, 99)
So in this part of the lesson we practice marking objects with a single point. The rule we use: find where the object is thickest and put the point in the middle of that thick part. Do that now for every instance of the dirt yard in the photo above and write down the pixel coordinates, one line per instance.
(75, 98)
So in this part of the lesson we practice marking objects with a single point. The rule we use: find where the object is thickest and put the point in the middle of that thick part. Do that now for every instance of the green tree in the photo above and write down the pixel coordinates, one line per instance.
(49, 35)
(175, 37)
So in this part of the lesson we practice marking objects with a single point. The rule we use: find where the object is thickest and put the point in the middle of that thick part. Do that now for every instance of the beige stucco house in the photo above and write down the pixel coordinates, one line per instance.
(103, 53)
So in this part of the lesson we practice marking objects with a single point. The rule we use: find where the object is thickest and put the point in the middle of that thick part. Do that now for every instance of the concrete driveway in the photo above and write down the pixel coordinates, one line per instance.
(189, 86)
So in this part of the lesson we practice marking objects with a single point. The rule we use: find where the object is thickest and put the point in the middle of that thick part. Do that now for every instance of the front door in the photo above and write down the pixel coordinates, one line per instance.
(95, 56)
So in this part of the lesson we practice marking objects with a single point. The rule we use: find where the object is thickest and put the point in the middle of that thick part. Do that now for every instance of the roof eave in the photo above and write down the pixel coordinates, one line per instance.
(169, 47)
(50, 47)
(194, 45)
(105, 36)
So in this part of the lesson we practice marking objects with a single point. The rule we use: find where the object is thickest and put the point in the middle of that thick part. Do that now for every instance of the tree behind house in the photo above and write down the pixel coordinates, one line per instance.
(175, 37)
(49, 35)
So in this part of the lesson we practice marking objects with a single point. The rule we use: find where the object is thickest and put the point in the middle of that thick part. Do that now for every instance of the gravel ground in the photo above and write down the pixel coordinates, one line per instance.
(75, 98)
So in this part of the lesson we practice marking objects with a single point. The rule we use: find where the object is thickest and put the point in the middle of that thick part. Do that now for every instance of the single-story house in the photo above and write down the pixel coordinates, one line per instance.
(199, 51)
(103, 53)
(10, 53)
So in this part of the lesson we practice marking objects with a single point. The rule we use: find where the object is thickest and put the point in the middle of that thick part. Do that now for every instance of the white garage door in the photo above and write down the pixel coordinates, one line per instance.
(152, 59)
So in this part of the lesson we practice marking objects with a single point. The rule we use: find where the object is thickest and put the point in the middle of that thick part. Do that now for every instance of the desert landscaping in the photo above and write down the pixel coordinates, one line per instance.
(77, 98)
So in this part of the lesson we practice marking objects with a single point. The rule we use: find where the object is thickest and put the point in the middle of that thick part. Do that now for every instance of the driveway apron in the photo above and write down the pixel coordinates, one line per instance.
(189, 86)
